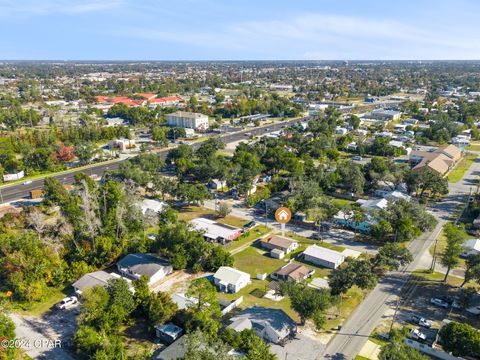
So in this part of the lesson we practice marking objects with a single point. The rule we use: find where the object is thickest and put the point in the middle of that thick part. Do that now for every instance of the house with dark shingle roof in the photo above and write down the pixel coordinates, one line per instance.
(292, 272)
(138, 264)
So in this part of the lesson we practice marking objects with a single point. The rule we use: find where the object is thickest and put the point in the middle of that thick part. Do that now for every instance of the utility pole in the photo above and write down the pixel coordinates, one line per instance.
(266, 214)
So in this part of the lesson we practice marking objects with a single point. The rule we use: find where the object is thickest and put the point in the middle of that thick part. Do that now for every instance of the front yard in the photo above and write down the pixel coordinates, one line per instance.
(457, 173)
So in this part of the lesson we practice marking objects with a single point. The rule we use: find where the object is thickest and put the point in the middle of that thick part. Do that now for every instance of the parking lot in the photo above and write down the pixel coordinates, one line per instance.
(416, 300)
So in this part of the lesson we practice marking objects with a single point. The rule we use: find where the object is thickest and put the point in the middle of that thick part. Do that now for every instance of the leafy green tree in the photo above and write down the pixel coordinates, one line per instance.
(206, 296)
(218, 256)
(472, 270)
(7, 332)
(455, 236)
(460, 339)
(352, 177)
(200, 347)
(223, 210)
(390, 257)
(85, 151)
(307, 302)
(352, 272)
(160, 308)
(397, 350)
(427, 181)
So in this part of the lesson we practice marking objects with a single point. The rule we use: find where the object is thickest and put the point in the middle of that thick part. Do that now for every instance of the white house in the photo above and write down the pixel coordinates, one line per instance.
(216, 232)
(472, 247)
(321, 256)
(136, 265)
(152, 205)
(230, 280)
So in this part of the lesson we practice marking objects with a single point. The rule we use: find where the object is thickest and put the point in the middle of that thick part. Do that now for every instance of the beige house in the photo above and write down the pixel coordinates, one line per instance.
(441, 161)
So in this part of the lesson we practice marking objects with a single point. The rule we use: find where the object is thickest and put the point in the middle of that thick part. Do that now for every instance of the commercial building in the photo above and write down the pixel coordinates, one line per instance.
(216, 232)
(386, 115)
(441, 160)
(321, 256)
(186, 119)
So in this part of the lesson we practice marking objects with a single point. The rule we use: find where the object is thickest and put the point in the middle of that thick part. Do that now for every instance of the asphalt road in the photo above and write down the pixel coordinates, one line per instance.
(19, 191)
(356, 330)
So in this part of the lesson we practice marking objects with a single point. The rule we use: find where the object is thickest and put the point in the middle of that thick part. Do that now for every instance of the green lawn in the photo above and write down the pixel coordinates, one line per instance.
(457, 173)
(427, 277)
(248, 237)
(306, 241)
(37, 309)
(342, 311)
(253, 261)
(474, 147)
(441, 244)
(251, 300)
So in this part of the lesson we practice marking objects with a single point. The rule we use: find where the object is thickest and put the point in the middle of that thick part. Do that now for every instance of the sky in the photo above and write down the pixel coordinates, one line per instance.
(239, 30)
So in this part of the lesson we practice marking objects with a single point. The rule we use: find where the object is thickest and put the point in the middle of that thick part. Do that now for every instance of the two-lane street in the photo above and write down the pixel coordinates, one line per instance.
(9, 193)
(356, 330)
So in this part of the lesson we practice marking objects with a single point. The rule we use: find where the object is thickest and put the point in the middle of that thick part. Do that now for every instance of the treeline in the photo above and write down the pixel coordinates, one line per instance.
(45, 151)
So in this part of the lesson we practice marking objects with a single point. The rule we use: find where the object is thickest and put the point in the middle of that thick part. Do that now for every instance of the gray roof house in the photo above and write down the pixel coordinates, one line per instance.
(96, 278)
(138, 264)
(272, 325)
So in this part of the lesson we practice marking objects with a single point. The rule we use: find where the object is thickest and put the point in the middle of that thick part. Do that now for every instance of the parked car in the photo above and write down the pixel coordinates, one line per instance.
(417, 335)
(27, 182)
(357, 158)
(439, 302)
(67, 302)
(316, 236)
(421, 321)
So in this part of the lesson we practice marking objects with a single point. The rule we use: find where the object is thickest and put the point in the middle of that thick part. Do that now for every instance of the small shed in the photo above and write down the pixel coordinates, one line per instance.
(277, 254)
(168, 333)
(261, 276)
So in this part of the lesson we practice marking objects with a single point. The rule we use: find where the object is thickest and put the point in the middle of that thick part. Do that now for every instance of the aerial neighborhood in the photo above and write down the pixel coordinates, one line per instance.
(240, 209)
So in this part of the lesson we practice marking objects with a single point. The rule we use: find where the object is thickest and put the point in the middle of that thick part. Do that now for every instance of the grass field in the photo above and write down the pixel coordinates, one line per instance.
(342, 311)
(37, 309)
(474, 147)
(249, 236)
(441, 244)
(305, 242)
(457, 173)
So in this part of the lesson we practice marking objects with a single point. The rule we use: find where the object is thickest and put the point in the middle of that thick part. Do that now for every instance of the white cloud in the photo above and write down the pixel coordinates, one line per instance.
(25, 8)
(322, 36)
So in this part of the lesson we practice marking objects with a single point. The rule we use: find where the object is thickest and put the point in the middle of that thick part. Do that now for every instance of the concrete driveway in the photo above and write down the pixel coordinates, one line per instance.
(48, 335)
(302, 347)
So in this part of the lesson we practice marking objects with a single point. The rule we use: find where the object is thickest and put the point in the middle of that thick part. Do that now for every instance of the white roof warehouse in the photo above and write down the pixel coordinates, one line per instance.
(318, 255)
(214, 231)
